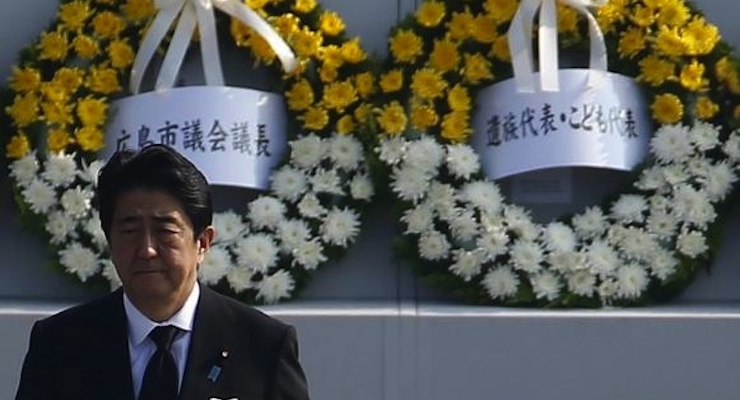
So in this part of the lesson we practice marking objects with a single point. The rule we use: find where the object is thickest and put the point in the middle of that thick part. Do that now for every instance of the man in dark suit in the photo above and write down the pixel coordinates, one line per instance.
(162, 336)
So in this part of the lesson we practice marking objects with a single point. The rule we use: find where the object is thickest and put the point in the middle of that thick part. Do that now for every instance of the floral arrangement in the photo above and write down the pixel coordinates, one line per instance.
(58, 100)
(645, 245)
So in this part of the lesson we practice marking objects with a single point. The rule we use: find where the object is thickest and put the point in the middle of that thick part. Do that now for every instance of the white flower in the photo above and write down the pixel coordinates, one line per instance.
(240, 278)
(608, 291)
(671, 143)
(484, 195)
(675, 174)
(705, 135)
(257, 252)
(592, 223)
(467, 263)
(326, 181)
(89, 172)
(559, 237)
(76, 202)
(108, 271)
(424, 154)
(464, 226)
(433, 246)
(732, 147)
(462, 161)
(493, 242)
(345, 151)
(518, 220)
(79, 260)
(582, 283)
(719, 181)
(60, 169)
(292, 233)
(60, 225)
(567, 261)
(501, 283)
(442, 199)
(601, 258)
(391, 151)
(410, 183)
(546, 285)
(310, 207)
(24, 169)
(629, 208)
(266, 212)
(215, 265)
(229, 226)
(663, 264)
(637, 243)
(275, 287)
(419, 219)
(361, 188)
(309, 254)
(289, 183)
(660, 203)
(652, 179)
(691, 243)
(662, 224)
(340, 226)
(307, 151)
(92, 227)
(527, 256)
(631, 281)
(40, 196)
(692, 206)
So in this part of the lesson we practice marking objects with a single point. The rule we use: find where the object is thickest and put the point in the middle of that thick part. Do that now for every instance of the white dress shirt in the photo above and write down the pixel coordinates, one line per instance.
(141, 347)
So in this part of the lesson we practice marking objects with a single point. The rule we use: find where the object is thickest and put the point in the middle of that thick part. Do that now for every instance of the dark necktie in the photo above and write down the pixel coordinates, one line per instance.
(161, 377)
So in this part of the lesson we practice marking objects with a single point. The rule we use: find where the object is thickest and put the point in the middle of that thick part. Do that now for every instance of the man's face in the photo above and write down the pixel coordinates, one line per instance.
(154, 248)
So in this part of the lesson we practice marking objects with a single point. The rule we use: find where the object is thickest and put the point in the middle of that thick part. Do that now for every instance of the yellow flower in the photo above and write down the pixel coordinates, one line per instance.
(631, 42)
(642, 16)
(346, 125)
(304, 6)
(24, 110)
(444, 57)
(90, 138)
(428, 84)
(500, 49)
(405, 46)
(73, 15)
(501, 10)
(18, 147)
(700, 37)
(328, 74)
(257, 4)
(362, 112)
(455, 127)
(286, 24)
(261, 48)
(121, 54)
(567, 19)
(25, 79)
(667, 108)
(705, 108)
(331, 56)
(300, 95)
(306, 42)
(430, 13)
(483, 29)
(92, 111)
(315, 118)
(103, 80)
(669, 42)
(477, 68)
(459, 25)
(673, 13)
(352, 52)
(655, 71)
(610, 14)
(57, 140)
(331, 23)
(137, 10)
(85, 46)
(339, 95)
(458, 98)
(725, 69)
(107, 25)
(392, 119)
(391, 81)
(692, 77)
(54, 92)
(365, 83)
(70, 79)
(423, 116)
(53, 46)
(57, 113)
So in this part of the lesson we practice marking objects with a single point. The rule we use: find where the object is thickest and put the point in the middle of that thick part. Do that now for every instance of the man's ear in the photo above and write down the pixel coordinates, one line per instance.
(205, 239)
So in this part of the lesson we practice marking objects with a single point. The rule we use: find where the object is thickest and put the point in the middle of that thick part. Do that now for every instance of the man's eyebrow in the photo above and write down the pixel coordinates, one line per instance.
(137, 217)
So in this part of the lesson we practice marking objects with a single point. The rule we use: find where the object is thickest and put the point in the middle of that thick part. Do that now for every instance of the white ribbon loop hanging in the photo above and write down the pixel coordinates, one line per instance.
(520, 44)
(199, 14)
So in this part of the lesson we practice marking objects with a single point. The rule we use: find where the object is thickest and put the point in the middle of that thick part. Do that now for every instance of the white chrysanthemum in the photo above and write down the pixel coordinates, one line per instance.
(698, 166)
(310, 206)
(608, 290)
(89, 172)
(591, 224)
(275, 287)
(292, 233)
(419, 219)
(79, 260)
(467, 263)
(462, 161)
(546, 285)
(240, 278)
(77, 202)
(638, 244)
(493, 241)
(307, 151)
(582, 283)
(732, 147)
(691, 243)
(705, 135)
(663, 264)
(601, 258)
(652, 179)
(92, 227)
(266, 212)
(345, 151)
(559, 237)
(60, 225)
(629, 208)
(442, 199)
(326, 181)
(660, 203)
(719, 181)
(309, 254)
(108, 271)
(671, 143)
(424, 154)
(567, 261)
(361, 187)
(464, 226)
(527, 256)
(257, 252)
(391, 151)
(501, 283)
(60, 169)
(433, 246)
(24, 169)
(410, 183)
(484, 195)
(518, 220)
(229, 226)
(289, 183)
(215, 265)
(40, 196)
(692, 206)
(340, 227)
(662, 224)
(675, 174)
(632, 280)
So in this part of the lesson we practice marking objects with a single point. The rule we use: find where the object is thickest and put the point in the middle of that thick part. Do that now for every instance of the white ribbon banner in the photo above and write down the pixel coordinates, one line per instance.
(608, 126)
(198, 13)
(520, 44)
(235, 136)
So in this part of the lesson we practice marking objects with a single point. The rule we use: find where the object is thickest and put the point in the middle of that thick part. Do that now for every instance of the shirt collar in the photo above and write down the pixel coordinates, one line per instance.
(139, 325)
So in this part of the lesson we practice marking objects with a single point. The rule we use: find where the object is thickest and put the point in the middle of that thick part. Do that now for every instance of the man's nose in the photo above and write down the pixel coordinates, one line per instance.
(147, 246)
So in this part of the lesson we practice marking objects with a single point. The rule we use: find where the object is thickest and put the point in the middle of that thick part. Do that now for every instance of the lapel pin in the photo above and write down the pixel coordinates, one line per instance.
(213, 373)
(224, 354)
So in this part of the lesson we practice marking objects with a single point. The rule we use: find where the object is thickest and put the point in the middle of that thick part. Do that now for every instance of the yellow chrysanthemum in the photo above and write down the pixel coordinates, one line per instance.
(423, 116)
(655, 70)
(483, 29)
(667, 108)
(137, 10)
(501, 10)
(669, 42)
(700, 37)
(642, 16)
(734, 84)
(352, 52)
(362, 112)
(455, 127)
(25, 79)
(257, 4)
(692, 76)
(725, 69)
(57, 140)
(315, 118)
(339, 95)
(331, 56)
(500, 49)
(92, 111)
(261, 48)
(476, 69)
(54, 92)
(300, 96)
(610, 14)
(458, 98)
(328, 74)
(306, 43)
(405, 46)
(673, 13)
(459, 25)
(705, 108)
(24, 110)
(53, 46)
(57, 113)
(365, 83)
(444, 56)
(391, 81)
(430, 13)
(121, 54)
(346, 125)
(70, 79)
(567, 19)
(72, 15)
(304, 6)
(103, 80)
(331, 23)
(631, 42)
(107, 25)
(392, 119)
(18, 146)
(90, 138)
(654, 5)
(85, 46)
(427, 84)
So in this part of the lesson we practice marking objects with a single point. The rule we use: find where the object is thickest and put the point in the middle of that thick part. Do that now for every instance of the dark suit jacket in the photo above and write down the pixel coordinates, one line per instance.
(82, 353)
